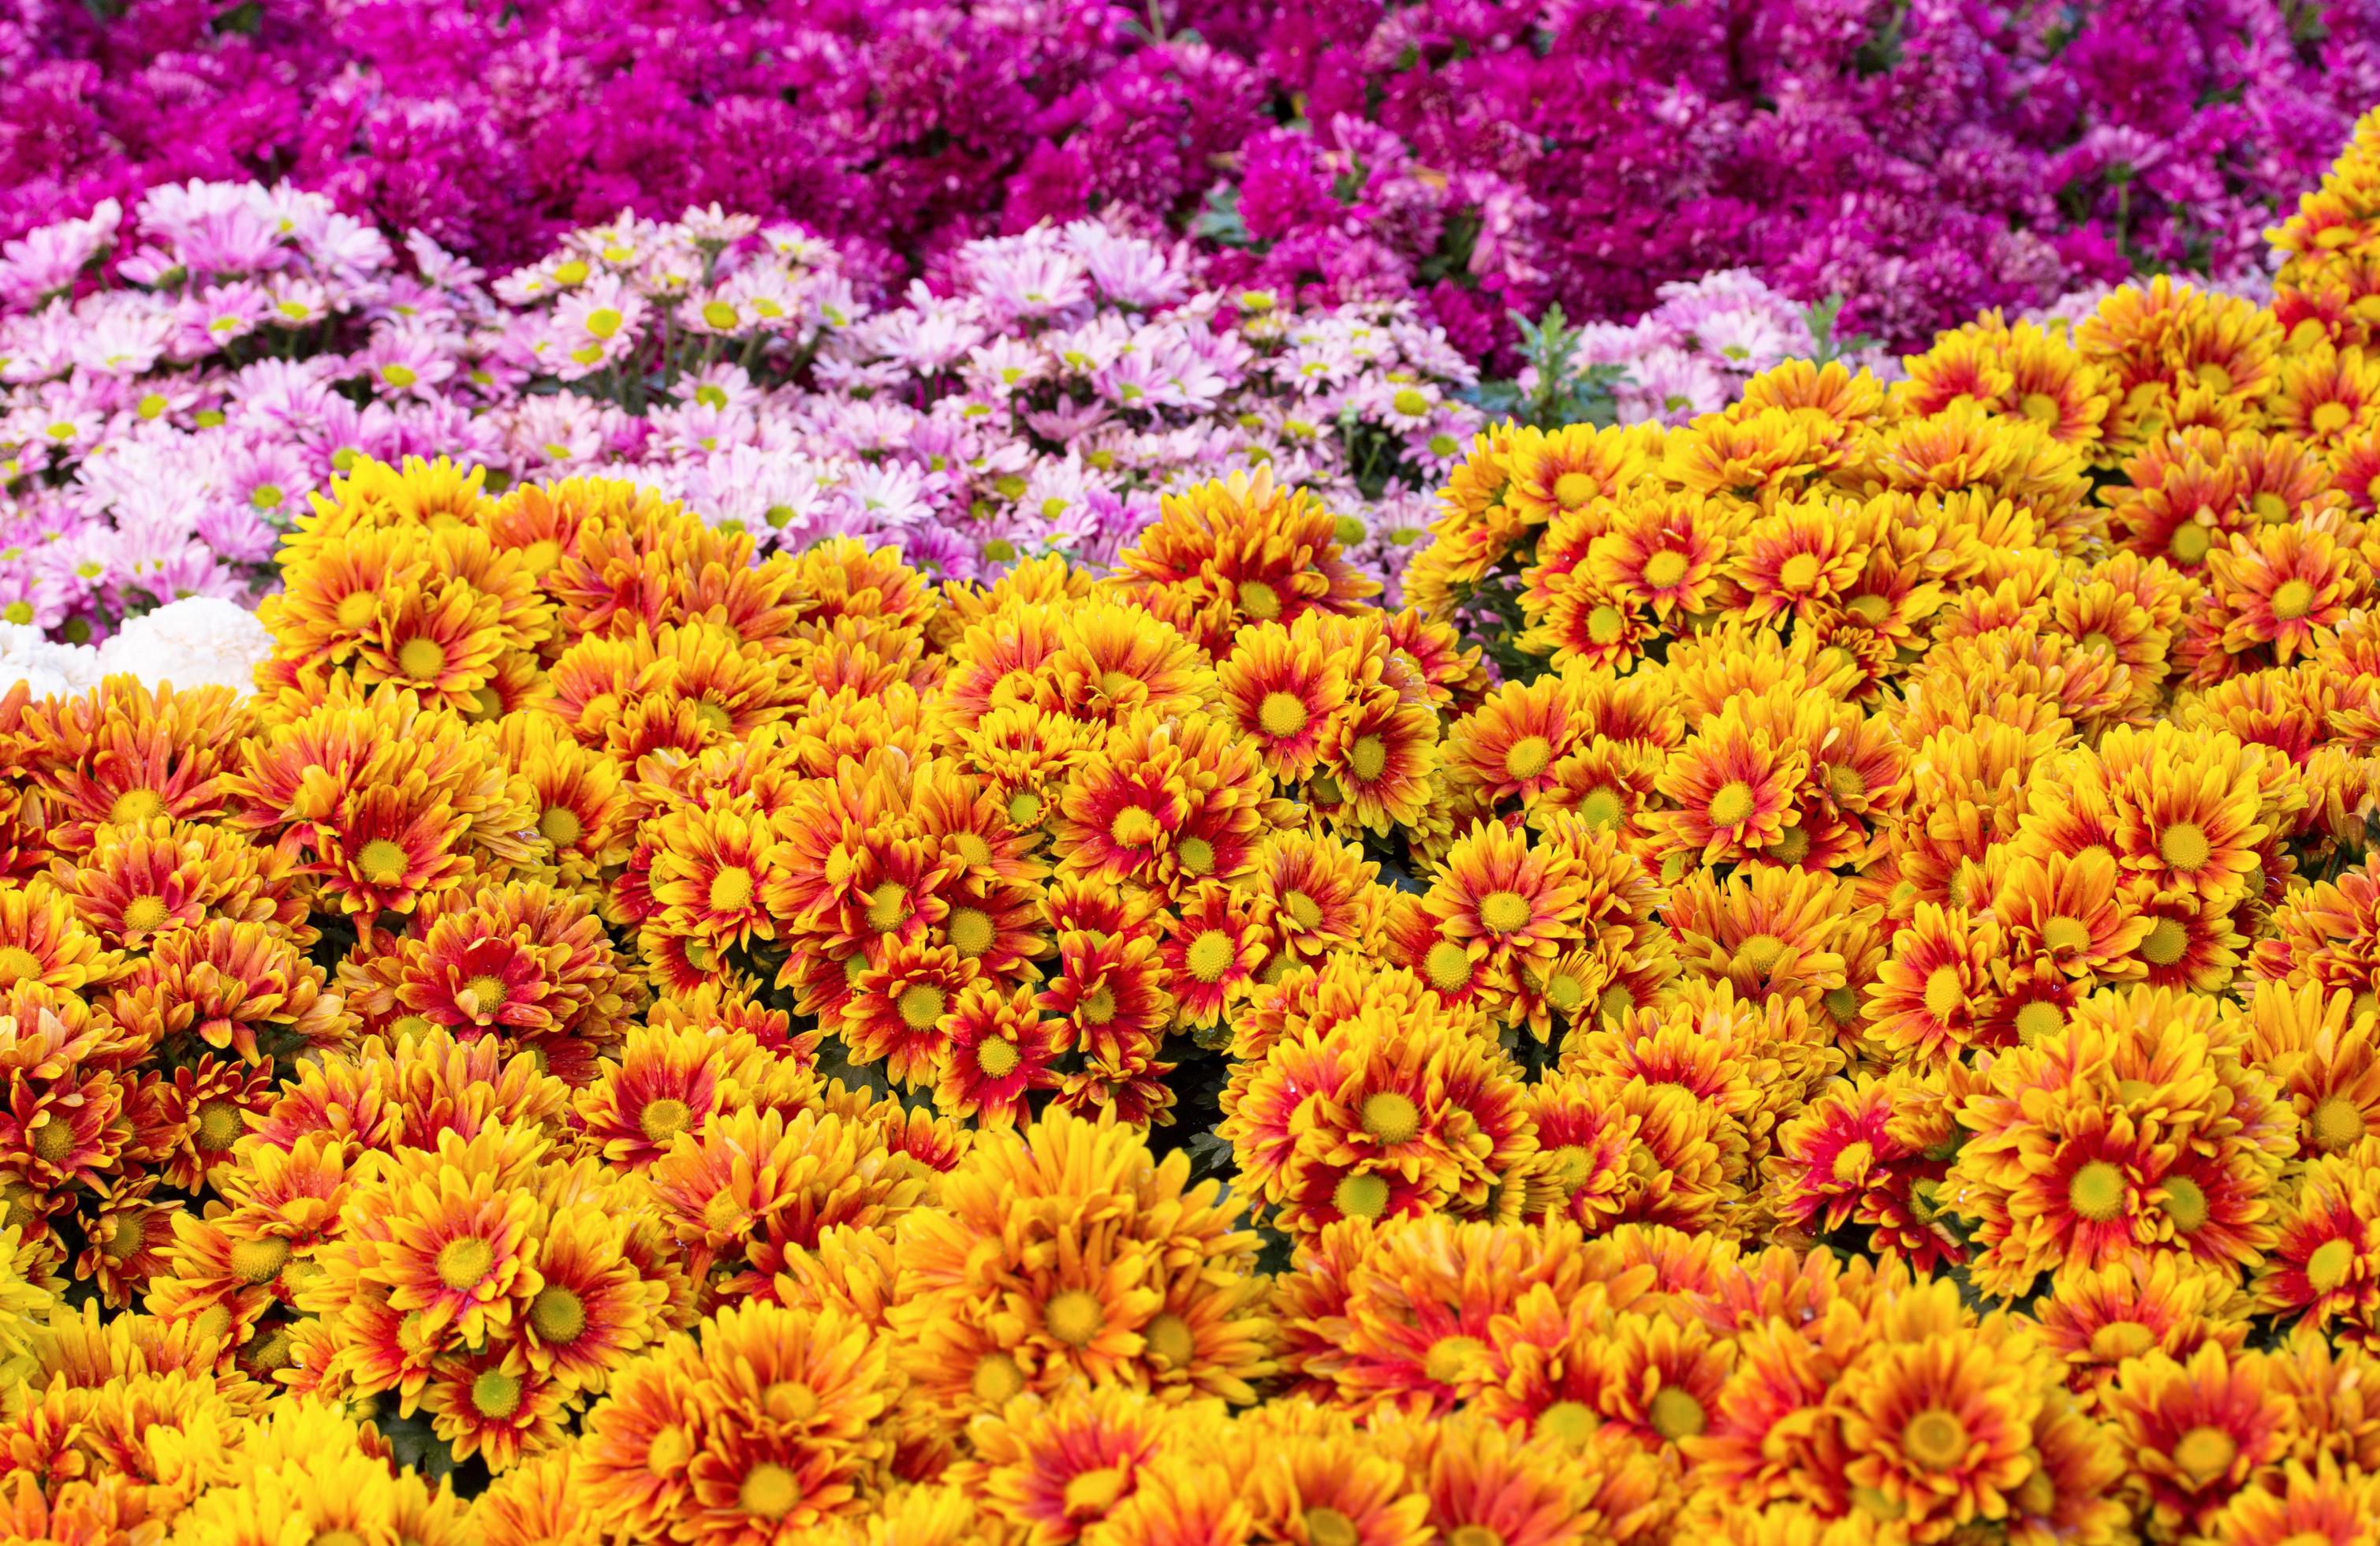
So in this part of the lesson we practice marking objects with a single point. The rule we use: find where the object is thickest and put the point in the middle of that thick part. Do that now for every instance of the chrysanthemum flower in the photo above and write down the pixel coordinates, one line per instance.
(897, 1006)
(1733, 788)
(1221, 555)
(2195, 1431)
(999, 1049)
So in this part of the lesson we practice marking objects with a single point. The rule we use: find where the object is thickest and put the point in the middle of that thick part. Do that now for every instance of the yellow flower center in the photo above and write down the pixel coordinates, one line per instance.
(421, 659)
(220, 1126)
(463, 1261)
(1799, 572)
(1600, 807)
(2067, 936)
(1474, 1535)
(1390, 1117)
(730, 890)
(1843, 1004)
(714, 717)
(1605, 625)
(664, 1119)
(2039, 1020)
(1664, 570)
(1450, 1358)
(482, 995)
(2336, 1123)
(561, 825)
(2189, 543)
(2185, 846)
(997, 1378)
(2293, 599)
(558, 1314)
(17, 964)
(1260, 600)
(970, 930)
(1946, 994)
(2165, 943)
(1169, 1342)
(1732, 805)
(381, 862)
(135, 806)
(1209, 955)
(1328, 1527)
(996, 1058)
(1527, 757)
(1075, 1318)
(1935, 1439)
(887, 907)
(1504, 912)
(1023, 809)
(1134, 827)
(669, 1452)
(1852, 1160)
(1574, 489)
(1361, 1196)
(1304, 910)
(257, 1260)
(1447, 965)
(1569, 1166)
(2328, 1266)
(1676, 1415)
(1761, 952)
(921, 1005)
(2040, 407)
(972, 849)
(1368, 759)
(2118, 1340)
(1616, 1001)
(1564, 992)
(2270, 507)
(790, 1401)
(2203, 1454)
(770, 1491)
(2099, 642)
(145, 915)
(1571, 1423)
(1793, 845)
(2096, 1193)
(1094, 1492)
(496, 1395)
(1198, 856)
(2185, 1204)
(1281, 715)
(2328, 419)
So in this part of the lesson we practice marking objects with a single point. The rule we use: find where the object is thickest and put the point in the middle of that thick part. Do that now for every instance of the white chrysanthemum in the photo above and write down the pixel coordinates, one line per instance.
(52, 670)
(197, 641)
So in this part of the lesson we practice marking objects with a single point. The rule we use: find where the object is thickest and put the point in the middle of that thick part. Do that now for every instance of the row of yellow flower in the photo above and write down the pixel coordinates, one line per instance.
(1817, 986)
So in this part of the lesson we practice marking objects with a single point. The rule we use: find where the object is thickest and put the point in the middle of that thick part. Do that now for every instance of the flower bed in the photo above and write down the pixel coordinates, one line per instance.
(1922, 161)
(1817, 980)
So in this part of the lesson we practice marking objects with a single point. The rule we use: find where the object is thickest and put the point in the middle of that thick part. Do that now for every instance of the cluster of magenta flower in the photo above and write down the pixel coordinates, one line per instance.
(1922, 160)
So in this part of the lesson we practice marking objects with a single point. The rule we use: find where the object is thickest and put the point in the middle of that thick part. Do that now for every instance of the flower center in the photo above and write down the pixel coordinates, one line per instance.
(2067, 936)
(257, 1260)
(1843, 1004)
(663, 1119)
(1946, 995)
(2096, 1193)
(54, 1139)
(2189, 543)
(730, 890)
(561, 825)
(1793, 845)
(1799, 572)
(220, 1126)
(2185, 846)
(421, 659)
(1851, 1162)
(1260, 600)
(2039, 1020)
(2166, 943)
(1605, 625)
(2118, 1340)
(2185, 1203)
(1451, 1356)
(1676, 1415)
(464, 1260)
(770, 1491)
(997, 1377)
(1937, 1440)
(1304, 910)
(558, 1314)
(1209, 955)
(1075, 1318)
(382, 862)
(1448, 966)
(1574, 489)
(1198, 856)
(2329, 1264)
(921, 1005)
(1281, 715)
(356, 609)
(483, 994)
(1368, 759)
(996, 1058)
(1170, 1341)
(2330, 418)
(135, 806)
(1023, 809)
(1134, 827)
(1664, 570)
(1564, 992)
(887, 907)
(1328, 1527)
(2336, 1123)
(1390, 1117)
(1528, 756)
(1504, 911)
(1568, 1423)
(1732, 804)
(2293, 599)
(1361, 1196)
(2203, 1454)
(970, 930)
(1761, 952)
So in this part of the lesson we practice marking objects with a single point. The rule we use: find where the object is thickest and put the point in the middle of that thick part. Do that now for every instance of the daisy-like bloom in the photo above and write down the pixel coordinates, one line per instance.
(1936, 987)
(1799, 556)
(1213, 947)
(2325, 1267)
(1664, 554)
(235, 987)
(491, 1404)
(1282, 691)
(2096, 1318)
(593, 1308)
(1767, 932)
(1941, 1429)
(1733, 789)
(1848, 1159)
(2177, 354)
(2317, 1505)
(1501, 900)
(2327, 395)
(2187, 809)
(1509, 747)
(1320, 892)
(2194, 1432)
(2069, 910)
(161, 874)
(1054, 1468)
(129, 752)
(42, 942)
(999, 1050)
(1164, 803)
(897, 1006)
(1380, 760)
(709, 867)
(2326, 1058)
(2274, 590)
(1244, 550)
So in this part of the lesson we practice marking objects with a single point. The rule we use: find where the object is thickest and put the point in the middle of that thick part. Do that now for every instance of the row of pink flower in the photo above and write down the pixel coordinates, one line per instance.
(158, 430)
(1924, 158)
